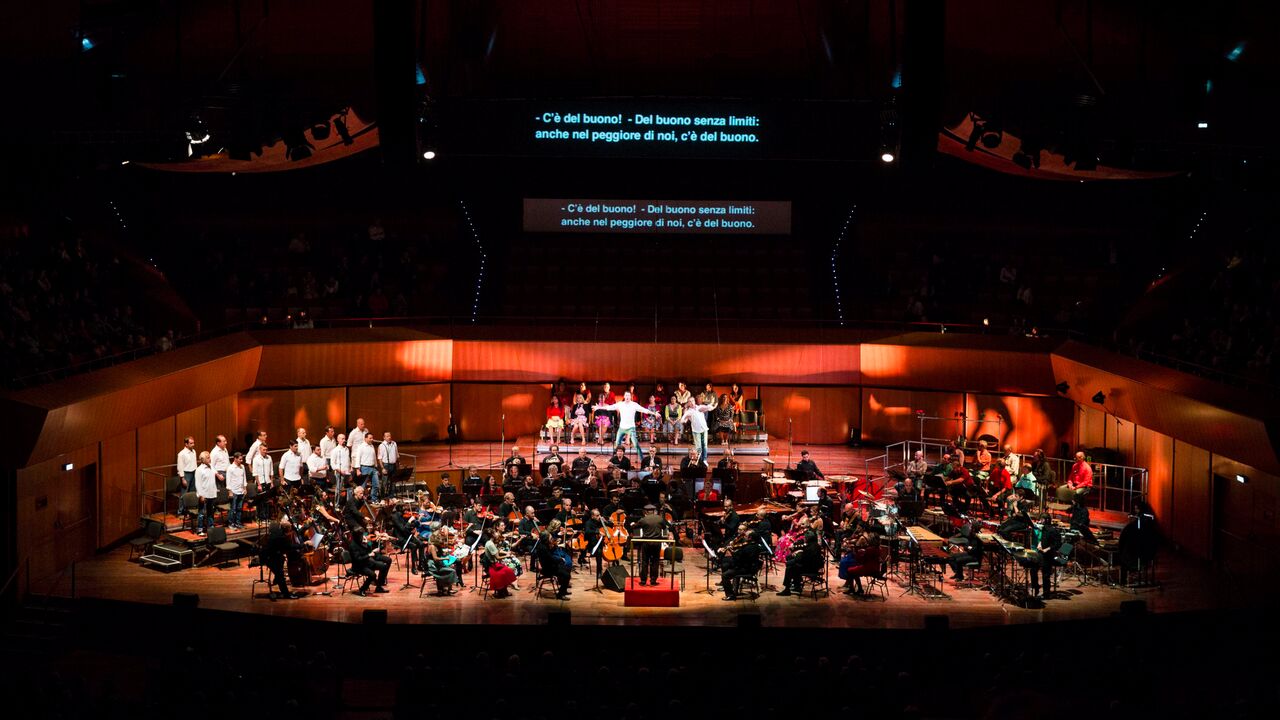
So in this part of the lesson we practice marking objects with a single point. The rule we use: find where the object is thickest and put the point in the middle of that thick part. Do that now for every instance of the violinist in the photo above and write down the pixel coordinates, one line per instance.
(739, 557)
(529, 529)
(805, 558)
(730, 523)
(508, 508)
(504, 568)
(591, 530)
(437, 551)
(405, 537)
(860, 558)
(475, 517)
(553, 561)
(277, 546)
(366, 561)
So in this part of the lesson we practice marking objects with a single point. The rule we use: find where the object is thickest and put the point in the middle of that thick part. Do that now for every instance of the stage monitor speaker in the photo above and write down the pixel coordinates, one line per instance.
(615, 578)
(374, 616)
(186, 600)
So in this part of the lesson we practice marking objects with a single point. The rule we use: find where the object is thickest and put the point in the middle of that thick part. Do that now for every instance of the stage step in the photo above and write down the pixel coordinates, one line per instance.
(165, 556)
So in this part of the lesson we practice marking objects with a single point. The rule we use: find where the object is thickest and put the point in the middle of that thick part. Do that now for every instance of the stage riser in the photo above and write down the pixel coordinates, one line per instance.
(752, 449)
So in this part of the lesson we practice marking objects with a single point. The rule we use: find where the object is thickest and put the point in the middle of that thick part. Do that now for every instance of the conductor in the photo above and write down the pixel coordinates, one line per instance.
(651, 527)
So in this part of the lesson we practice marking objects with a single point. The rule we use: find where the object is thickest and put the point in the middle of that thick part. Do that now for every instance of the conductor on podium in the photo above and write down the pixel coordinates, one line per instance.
(651, 527)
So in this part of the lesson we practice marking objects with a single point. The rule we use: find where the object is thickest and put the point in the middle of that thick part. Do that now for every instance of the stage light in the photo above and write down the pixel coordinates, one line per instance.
(1099, 397)
(86, 43)
(1235, 52)
(986, 322)
(68, 467)
(887, 157)
(1202, 125)
(429, 155)
(1062, 387)
(124, 162)
(1242, 479)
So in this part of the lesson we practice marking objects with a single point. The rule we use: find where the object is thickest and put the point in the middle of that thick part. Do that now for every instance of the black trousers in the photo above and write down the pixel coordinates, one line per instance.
(791, 578)
(1045, 570)
(957, 562)
(650, 558)
(276, 565)
(375, 568)
(731, 574)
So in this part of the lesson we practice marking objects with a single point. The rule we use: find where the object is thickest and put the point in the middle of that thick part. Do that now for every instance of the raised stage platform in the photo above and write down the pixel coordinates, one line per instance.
(757, 447)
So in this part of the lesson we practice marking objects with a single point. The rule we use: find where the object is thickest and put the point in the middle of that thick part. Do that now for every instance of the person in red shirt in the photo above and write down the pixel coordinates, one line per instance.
(1079, 481)
(708, 493)
(555, 420)
(1001, 483)
(961, 486)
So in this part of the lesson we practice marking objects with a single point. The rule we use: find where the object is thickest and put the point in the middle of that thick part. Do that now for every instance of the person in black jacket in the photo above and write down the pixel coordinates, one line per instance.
(274, 550)
(807, 560)
(365, 562)
(591, 530)
(973, 551)
(406, 538)
(1080, 520)
(551, 563)
(1050, 541)
(742, 562)
(651, 527)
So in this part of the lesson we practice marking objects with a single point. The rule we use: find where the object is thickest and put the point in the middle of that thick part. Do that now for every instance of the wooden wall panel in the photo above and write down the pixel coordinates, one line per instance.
(342, 363)
(1029, 422)
(479, 407)
(314, 408)
(646, 362)
(1246, 532)
(1121, 437)
(1192, 499)
(379, 406)
(56, 511)
(818, 414)
(191, 423)
(967, 369)
(220, 417)
(282, 412)
(156, 444)
(1091, 428)
(118, 488)
(889, 415)
(1154, 451)
(424, 412)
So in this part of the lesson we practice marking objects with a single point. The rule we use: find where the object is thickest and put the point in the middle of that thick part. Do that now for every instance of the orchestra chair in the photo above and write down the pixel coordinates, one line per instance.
(192, 502)
(879, 577)
(219, 547)
(251, 498)
(484, 578)
(151, 534)
(539, 580)
(173, 489)
(751, 579)
(665, 568)
(443, 581)
(1066, 556)
(222, 504)
(751, 417)
(817, 578)
(347, 578)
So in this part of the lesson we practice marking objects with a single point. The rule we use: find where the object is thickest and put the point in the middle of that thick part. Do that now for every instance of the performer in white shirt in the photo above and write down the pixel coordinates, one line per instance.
(207, 491)
(219, 459)
(186, 471)
(253, 449)
(304, 445)
(262, 467)
(236, 486)
(356, 436)
(291, 465)
(627, 409)
(340, 463)
(329, 441)
(388, 458)
(1012, 462)
(364, 456)
(318, 467)
(696, 416)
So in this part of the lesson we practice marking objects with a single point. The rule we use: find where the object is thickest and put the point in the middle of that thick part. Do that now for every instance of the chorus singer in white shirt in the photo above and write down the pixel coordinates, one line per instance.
(219, 458)
(627, 409)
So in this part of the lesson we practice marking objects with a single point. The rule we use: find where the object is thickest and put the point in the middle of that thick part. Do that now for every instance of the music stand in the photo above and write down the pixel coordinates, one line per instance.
(711, 555)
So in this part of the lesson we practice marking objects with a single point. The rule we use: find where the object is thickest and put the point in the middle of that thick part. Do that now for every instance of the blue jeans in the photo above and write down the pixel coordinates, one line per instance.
(237, 505)
(700, 444)
(206, 514)
(371, 472)
(388, 471)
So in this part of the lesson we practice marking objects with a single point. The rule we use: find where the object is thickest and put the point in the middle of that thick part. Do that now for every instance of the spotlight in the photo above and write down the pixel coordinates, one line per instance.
(1242, 479)
(1062, 387)
(887, 156)
(1099, 397)
(986, 322)
(429, 155)
(68, 467)
(87, 43)
(1202, 125)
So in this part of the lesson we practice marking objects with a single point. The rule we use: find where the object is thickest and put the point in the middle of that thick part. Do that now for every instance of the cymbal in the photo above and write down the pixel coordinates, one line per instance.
(866, 494)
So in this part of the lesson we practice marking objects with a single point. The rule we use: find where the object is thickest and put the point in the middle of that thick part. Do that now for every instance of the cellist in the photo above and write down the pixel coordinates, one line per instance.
(591, 530)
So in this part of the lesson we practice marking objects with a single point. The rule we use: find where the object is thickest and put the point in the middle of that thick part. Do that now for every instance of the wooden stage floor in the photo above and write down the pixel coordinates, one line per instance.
(1184, 585)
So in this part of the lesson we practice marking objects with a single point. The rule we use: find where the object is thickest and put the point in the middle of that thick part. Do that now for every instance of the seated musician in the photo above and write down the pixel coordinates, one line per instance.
(514, 459)
(909, 492)
(1015, 526)
(972, 552)
(490, 487)
(446, 486)
(652, 469)
(708, 493)
(553, 478)
(528, 489)
(826, 506)
(727, 461)
(278, 545)
(847, 529)
(501, 565)
(861, 558)
(551, 563)
(475, 517)
(366, 561)
(740, 556)
(592, 479)
(509, 507)
(351, 512)
(446, 575)
(1000, 482)
(962, 486)
(917, 466)
(619, 460)
(664, 506)
(1080, 520)
(591, 530)
(1050, 541)
(617, 481)
(692, 464)
(528, 529)
(552, 459)
(1079, 480)
(728, 524)
(983, 457)
(808, 467)
(511, 478)
(582, 464)
(406, 538)
(564, 510)
(761, 529)
(805, 558)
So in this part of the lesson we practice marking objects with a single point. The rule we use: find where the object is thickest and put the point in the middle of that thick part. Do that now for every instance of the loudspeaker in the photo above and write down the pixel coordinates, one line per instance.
(186, 600)
(374, 616)
(615, 578)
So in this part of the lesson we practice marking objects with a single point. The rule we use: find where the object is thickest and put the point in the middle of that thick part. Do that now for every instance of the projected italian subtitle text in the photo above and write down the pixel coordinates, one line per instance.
(646, 128)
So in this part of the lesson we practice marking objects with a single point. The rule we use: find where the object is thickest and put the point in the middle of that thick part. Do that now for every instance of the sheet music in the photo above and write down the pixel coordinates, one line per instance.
(710, 553)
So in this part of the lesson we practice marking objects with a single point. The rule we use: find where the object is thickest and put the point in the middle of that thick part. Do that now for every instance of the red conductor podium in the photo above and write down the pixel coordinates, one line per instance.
(665, 594)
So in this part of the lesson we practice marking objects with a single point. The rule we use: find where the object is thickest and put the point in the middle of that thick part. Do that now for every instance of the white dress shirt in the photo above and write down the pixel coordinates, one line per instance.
(253, 449)
(291, 466)
(697, 417)
(219, 460)
(186, 460)
(235, 479)
(206, 483)
(627, 410)
(327, 444)
(355, 437)
(365, 455)
(262, 467)
(317, 466)
(304, 448)
(1013, 464)
(388, 452)
(340, 460)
